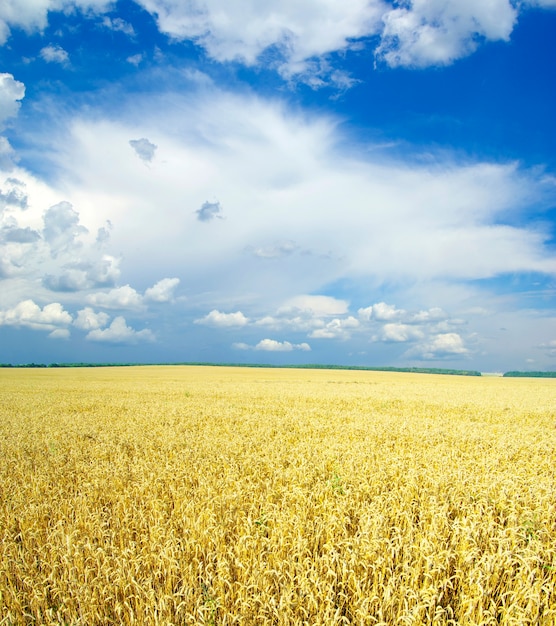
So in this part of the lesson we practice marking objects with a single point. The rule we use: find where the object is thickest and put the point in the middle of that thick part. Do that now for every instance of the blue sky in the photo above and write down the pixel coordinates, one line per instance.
(366, 183)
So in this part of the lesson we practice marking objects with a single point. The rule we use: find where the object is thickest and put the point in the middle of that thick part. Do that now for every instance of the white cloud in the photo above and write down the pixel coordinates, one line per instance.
(120, 298)
(399, 333)
(103, 234)
(62, 228)
(13, 234)
(296, 323)
(119, 25)
(54, 54)
(381, 312)
(163, 290)
(143, 148)
(315, 305)
(72, 279)
(290, 32)
(60, 333)
(120, 333)
(88, 319)
(32, 15)
(105, 272)
(223, 320)
(82, 275)
(437, 32)
(27, 313)
(271, 345)
(440, 346)
(14, 196)
(135, 59)
(241, 346)
(435, 314)
(11, 92)
(209, 211)
(336, 329)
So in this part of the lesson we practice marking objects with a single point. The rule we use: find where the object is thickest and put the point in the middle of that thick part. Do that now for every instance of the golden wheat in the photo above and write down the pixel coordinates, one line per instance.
(210, 495)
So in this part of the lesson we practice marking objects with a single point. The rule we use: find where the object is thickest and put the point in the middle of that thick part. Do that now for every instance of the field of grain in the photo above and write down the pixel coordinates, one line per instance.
(213, 495)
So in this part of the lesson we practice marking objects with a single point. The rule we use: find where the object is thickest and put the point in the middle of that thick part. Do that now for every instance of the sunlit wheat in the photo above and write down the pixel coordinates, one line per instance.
(182, 495)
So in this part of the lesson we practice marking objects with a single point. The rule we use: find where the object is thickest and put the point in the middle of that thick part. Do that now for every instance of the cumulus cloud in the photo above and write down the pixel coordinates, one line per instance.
(423, 33)
(380, 322)
(381, 312)
(435, 314)
(14, 196)
(120, 333)
(28, 313)
(336, 329)
(14, 234)
(84, 275)
(441, 346)
(103, 234)
(87, 319)
(289, 33)
(144, 149)
(399, 333)
(271, 345)
(223, 320)
(11, 92)
(104, 272)
(315, 305)
(209, 211)
(119, 298)
(163, 290)
(295, 322)
(62, 228)
(72, 279)
(54, 54)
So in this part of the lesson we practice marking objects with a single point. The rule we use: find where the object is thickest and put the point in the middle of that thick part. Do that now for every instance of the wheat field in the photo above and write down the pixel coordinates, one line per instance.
(215, 495)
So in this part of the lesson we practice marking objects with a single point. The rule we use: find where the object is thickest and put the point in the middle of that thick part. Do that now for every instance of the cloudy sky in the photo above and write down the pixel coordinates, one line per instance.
(290, 181)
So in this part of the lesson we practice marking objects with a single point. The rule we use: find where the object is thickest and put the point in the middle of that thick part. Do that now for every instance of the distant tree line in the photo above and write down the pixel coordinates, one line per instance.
(530, 374)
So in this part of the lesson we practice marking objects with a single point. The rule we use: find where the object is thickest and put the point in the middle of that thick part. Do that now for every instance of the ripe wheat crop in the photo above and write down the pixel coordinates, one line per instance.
(211, 495)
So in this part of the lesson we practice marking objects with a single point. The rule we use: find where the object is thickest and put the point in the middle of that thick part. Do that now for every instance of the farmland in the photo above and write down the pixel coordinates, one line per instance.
(214, 495)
